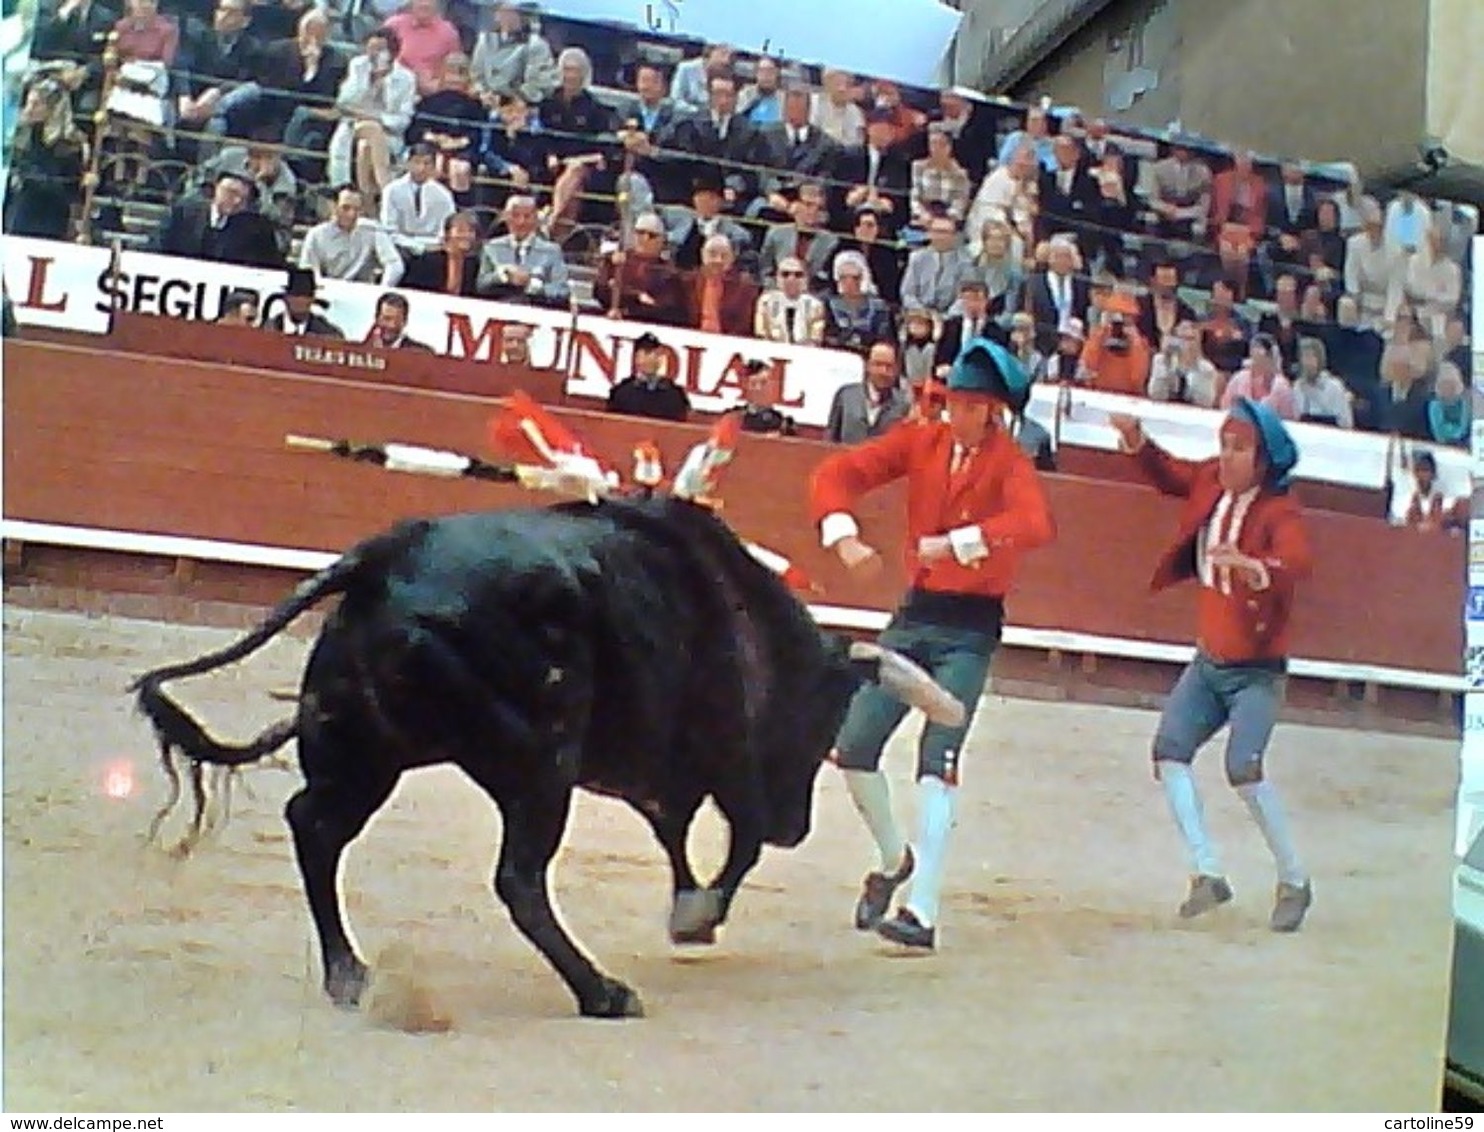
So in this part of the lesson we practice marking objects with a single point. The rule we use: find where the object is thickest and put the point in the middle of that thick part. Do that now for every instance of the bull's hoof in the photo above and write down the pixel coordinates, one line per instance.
(700, 937)
(614, 1001)
(345, 982)
(695, 917)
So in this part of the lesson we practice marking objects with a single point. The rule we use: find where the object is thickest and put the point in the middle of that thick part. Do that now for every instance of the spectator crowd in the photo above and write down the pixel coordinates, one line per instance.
(461, 151)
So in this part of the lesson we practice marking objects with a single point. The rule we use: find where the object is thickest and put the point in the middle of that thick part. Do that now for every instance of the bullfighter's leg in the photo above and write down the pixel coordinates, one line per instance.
(1193, 713)
(326, 816)
(1255, 696)
(534, 822)
(870, 720)
(959, 660)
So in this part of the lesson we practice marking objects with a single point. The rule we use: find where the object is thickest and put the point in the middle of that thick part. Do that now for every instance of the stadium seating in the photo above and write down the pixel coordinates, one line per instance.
(118, 123)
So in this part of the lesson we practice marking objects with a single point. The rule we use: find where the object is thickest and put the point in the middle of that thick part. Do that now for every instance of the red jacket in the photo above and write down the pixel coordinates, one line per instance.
(1224, 206)
(1247, 624)
(998, 491)
(738, 302)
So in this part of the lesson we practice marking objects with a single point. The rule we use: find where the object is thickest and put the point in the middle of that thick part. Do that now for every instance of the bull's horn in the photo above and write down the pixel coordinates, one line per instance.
(910, 683)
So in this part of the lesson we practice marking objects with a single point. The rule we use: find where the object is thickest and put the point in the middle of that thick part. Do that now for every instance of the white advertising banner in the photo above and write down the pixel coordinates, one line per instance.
(1332, 455)
(69, 287)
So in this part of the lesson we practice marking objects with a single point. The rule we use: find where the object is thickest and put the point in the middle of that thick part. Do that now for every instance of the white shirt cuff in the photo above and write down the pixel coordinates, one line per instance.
(836, 526)
(968, 545)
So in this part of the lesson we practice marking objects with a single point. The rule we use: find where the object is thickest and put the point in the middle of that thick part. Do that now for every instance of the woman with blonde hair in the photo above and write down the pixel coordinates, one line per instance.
(48, 155)
(998, 257)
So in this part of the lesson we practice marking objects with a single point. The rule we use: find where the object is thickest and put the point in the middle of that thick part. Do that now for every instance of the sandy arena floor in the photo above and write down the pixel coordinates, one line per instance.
(1064, 982)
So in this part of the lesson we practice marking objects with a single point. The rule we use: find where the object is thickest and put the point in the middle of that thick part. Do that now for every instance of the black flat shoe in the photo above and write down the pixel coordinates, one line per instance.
(906, 929)
(877, 891)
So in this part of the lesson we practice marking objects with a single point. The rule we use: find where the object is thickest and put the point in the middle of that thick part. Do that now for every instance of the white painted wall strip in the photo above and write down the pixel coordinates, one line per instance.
(833, 616)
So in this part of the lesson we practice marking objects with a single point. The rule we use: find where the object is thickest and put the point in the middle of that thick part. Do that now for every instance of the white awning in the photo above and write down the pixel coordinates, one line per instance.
(904, 40)
(1455, 81)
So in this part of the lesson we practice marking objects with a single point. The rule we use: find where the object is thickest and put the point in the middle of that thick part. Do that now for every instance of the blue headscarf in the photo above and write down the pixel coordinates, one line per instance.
(1278, 448)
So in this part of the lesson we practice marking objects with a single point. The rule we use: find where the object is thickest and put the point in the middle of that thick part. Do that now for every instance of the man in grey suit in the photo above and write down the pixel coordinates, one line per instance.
(935, 273)
(794, 148)
(803, 239)
(522, 265)
(511, 58)
(873, 406)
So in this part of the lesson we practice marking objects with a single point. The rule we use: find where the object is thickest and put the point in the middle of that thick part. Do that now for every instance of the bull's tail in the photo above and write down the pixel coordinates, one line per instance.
(178, 732)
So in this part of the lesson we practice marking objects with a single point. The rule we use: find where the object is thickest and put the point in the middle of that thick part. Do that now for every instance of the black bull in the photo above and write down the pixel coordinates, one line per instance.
(633, 648)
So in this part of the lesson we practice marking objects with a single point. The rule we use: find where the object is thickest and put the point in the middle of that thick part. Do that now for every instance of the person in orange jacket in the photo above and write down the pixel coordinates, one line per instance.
(975, 506)
(1242, 538)
(1116, 358)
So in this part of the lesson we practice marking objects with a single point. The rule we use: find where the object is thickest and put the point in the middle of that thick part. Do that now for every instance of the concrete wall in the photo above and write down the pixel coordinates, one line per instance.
(1326, 80)
(985, 23)
(1079, 72)
(1291, 78)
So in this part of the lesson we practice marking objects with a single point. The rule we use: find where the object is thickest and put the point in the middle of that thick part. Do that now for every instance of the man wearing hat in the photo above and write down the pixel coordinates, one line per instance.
(1065, 361)
(878, 175)
(1242, 539)
(975, 507)
(298, 317)
(693, 226)
(648, 392)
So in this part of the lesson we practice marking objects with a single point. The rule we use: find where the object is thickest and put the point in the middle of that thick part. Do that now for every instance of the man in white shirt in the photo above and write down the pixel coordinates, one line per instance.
(1374, 269)
(349, 247)
(1319, 395)
(1181, 374)
(416, 205)
(1008, 192)
(835, 113)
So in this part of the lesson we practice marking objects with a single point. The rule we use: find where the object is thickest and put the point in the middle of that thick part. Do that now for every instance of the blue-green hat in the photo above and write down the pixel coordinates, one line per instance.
(1276, 441)
(983, 366)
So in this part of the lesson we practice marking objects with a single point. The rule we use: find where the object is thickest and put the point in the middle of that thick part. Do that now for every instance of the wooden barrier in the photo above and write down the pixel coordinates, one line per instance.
(98, 438)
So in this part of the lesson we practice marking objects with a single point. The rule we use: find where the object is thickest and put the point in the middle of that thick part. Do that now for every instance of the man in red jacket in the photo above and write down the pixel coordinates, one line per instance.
(975, 506)
(1242, 538)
